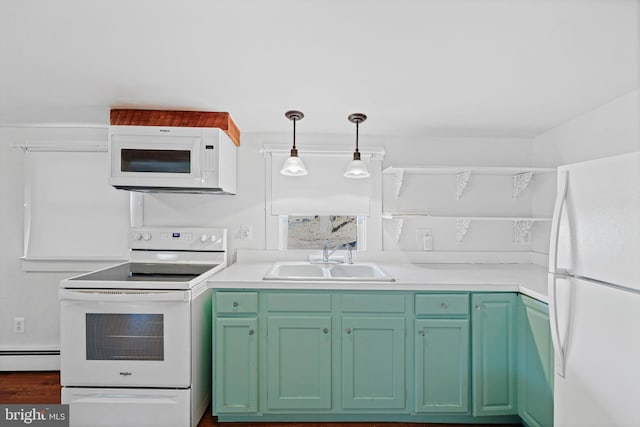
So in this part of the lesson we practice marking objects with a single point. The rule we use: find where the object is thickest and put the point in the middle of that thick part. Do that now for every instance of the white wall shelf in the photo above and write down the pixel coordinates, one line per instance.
(521, 225)
(521, 176)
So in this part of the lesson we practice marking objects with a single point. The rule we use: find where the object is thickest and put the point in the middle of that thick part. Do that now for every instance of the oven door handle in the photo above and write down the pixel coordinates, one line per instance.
(110, 295)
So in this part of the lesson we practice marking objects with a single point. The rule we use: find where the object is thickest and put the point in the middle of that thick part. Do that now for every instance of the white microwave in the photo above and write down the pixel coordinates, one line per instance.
(172, 159)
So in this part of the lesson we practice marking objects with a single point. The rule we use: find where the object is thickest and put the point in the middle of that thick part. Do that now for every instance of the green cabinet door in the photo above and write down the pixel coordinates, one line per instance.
(373, 362)
(298, 362)
(535, 361)
(493, 347)
(235, 376)
(442, 365)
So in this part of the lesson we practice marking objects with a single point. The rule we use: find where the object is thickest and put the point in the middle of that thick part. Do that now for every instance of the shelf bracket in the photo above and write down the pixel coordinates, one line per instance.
(397, 224)
(520, 182)
(462, 179)
(462, 226)
(399, 176)
(522, 231)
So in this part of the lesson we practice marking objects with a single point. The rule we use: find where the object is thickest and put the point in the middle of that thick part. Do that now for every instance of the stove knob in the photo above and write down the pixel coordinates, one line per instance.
(146, 236)
(213, 238)
(204, 238)
(137, 236)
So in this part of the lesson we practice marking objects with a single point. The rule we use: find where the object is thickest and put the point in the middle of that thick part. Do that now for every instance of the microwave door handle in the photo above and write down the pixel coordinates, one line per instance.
(122, 296)
(561, 199)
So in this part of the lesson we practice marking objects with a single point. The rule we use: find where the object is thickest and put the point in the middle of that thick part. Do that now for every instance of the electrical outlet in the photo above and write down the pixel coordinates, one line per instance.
(244, 232)
(18, 325)
(424, 239)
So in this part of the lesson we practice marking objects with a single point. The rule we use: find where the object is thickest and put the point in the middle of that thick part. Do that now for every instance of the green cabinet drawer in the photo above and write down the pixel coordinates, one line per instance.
(236, 302)
(442, 304)
(359, 303)
(298, 302)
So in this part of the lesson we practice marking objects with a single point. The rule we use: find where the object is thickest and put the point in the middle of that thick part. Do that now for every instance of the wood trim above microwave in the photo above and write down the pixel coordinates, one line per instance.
(201, 119)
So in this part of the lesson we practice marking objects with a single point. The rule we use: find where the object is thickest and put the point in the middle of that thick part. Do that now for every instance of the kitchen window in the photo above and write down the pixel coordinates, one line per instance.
(311, 231)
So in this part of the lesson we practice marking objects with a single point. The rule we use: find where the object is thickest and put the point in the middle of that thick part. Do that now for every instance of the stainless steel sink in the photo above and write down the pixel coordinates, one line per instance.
(305, 271)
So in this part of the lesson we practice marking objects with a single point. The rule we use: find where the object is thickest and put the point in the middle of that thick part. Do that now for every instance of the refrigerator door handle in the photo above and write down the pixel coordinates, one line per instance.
(555, 327)
(561, 199)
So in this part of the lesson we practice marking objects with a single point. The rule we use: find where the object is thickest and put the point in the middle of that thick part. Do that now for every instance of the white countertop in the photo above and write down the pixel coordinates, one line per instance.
(528, 279)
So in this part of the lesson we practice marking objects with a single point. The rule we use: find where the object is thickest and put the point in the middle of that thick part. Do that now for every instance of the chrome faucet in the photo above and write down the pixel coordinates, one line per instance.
(334, 246)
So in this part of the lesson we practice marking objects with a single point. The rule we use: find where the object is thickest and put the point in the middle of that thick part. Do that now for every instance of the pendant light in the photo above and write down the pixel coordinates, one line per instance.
(293, 166)
(357, 169)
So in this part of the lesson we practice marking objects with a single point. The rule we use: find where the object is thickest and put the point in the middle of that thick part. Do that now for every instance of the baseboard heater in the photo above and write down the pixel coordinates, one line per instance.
(29, 360)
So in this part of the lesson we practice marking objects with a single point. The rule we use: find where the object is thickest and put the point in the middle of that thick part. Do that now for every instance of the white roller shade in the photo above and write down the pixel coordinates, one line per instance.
(323, 191)
(71, 212)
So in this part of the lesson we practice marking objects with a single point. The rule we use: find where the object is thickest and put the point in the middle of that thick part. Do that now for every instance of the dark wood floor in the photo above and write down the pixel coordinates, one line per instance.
(44, 387)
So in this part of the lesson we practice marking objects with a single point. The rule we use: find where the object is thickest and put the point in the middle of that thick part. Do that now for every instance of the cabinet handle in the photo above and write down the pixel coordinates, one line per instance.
(251, 332)
(444, 306)
(325, 330)
(235, 303)
(421, 333)
(479, 306)
(348, 331)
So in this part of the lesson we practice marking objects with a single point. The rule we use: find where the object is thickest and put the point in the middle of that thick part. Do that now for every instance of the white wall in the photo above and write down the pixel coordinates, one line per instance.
(608, 130)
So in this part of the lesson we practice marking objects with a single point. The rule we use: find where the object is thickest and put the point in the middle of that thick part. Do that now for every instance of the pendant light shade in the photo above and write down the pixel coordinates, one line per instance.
(293, 166)
(357, 169)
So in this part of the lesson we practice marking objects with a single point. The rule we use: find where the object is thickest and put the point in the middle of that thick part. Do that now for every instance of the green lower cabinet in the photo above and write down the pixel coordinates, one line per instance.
(332, 356)
(235, 375)
(535, 362)
(299, 362)
(442, 365)
(373, 362)
(493, 348)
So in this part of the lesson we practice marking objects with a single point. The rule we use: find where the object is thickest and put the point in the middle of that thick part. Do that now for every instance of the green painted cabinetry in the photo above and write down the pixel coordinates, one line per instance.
(299, 362)
(441, 357)
(442, 365)
(535, 363)
(441, 353)
(299, 350)
(373, 362)
(235, 373)
(493, 349)
(372, 350)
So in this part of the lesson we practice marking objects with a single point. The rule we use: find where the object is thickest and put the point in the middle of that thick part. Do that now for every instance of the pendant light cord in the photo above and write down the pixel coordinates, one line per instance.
(294, 133)
(357, 129)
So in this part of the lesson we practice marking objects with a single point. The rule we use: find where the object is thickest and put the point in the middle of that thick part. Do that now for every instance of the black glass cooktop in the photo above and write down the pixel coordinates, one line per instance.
(141, 272)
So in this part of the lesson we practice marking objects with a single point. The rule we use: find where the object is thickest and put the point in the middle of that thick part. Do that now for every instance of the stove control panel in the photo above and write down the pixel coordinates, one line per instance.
(178, 238)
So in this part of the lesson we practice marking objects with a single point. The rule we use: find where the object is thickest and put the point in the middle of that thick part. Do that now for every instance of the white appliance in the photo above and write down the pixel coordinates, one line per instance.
(136, 337)
(594, 293)
(172, 159)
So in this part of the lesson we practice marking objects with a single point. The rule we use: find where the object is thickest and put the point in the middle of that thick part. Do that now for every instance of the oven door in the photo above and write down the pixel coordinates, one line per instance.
(125, 338)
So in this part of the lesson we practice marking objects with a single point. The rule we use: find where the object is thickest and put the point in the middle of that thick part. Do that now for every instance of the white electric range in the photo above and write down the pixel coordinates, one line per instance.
(136, 337)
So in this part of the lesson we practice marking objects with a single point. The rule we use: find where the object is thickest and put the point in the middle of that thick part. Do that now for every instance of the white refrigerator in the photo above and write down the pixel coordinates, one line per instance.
(594, 293)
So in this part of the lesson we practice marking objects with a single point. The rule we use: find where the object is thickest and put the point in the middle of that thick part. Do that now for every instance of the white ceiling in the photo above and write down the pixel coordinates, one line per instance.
(418, 67)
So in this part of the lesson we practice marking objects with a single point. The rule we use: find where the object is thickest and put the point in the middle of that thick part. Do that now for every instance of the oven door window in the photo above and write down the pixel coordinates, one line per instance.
(124, 336)
(155, 161)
